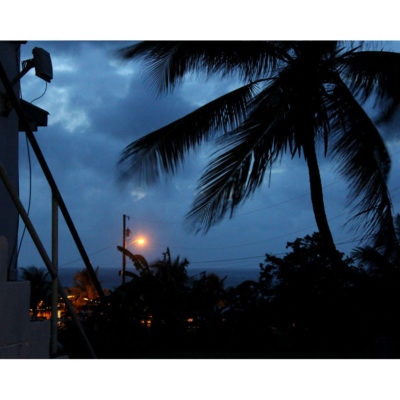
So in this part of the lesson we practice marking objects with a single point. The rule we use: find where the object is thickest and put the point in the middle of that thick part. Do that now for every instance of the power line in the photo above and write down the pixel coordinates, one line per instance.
(259, 241)
(240, 244)
(226, 259)
(158, 221)
(213, 248)
(253, 257)
(247, 212)
(91, 254)
(220, 260)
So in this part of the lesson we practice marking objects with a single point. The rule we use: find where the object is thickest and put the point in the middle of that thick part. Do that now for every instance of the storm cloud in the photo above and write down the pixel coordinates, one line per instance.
(98, 105)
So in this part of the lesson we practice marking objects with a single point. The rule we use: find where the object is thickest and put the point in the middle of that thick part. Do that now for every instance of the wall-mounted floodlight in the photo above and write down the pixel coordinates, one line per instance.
(41, 61)
(43, 66)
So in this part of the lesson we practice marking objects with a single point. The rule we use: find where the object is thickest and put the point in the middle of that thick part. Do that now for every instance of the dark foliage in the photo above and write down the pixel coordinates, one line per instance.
(40, 282)
(302, 306)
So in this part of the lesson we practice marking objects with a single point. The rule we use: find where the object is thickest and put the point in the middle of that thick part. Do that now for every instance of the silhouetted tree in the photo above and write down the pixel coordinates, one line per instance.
(322, 311)
(83, 290)
(296, 95)
(40, 286)
(304, 305)
(158, 289)
(207, 298)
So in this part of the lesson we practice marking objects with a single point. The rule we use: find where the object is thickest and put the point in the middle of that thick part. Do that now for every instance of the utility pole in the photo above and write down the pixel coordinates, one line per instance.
(124, 235)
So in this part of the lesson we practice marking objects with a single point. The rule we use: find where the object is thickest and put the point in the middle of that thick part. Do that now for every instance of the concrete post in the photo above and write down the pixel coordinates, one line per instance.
(54, 259)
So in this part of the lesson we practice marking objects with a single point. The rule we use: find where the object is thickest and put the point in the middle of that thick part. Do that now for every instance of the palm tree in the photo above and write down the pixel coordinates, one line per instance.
(295, 96)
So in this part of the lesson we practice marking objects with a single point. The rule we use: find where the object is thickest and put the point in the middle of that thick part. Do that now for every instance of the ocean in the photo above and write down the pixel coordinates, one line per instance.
(110, 279)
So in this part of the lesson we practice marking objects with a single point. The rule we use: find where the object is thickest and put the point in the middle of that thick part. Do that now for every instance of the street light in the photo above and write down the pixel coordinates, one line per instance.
(141, 241)
(126, 232)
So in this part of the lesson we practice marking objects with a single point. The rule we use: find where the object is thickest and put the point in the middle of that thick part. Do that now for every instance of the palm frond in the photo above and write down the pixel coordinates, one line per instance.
(247, 152)
(397, 226)
(229, 179)
(138, 260)
(274, 125)
(164, 149)
(372, 257)
(168, 61)
(374, 73)
(363, 160)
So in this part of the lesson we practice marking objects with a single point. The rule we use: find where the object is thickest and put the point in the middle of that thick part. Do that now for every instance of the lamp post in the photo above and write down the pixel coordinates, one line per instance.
(125, 234)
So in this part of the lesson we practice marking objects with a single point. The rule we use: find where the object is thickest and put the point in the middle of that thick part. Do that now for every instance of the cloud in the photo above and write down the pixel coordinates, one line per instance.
(97, 106)
(138, 194)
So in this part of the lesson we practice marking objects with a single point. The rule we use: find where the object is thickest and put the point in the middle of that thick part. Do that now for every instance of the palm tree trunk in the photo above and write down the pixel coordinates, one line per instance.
(317, 198)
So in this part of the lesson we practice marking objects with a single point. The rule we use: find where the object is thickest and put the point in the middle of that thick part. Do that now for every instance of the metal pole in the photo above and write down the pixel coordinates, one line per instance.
(39, 155)
(124, 247)
(54, 259)
(43, 254)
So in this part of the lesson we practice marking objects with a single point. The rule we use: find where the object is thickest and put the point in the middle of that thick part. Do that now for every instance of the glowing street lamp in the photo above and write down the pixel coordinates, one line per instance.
(141, 241)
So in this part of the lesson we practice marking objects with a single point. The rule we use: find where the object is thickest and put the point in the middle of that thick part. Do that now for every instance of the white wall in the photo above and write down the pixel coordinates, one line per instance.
(9, 57)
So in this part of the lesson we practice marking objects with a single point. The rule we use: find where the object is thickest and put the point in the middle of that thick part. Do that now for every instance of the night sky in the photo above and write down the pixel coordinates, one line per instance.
(98, 105)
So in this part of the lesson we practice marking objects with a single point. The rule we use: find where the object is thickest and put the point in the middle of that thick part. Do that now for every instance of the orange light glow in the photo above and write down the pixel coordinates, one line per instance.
(141, 241)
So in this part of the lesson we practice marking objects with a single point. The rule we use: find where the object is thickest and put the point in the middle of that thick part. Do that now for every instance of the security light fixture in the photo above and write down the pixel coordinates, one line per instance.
(43, 66)
(41, 61)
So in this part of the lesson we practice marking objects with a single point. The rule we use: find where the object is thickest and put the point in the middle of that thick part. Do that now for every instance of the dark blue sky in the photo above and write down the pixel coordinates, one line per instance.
(97, 106)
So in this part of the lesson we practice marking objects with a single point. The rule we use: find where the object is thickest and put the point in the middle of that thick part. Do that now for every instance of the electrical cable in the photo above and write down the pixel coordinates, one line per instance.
(30, 182)
(30, 177)
(30, 193)
(242, 244)
(91, 254)
(218, 260)
(253, 257)
(37, 98)
(216, 248)
(239, 244)
(259, 241)
(244, 213)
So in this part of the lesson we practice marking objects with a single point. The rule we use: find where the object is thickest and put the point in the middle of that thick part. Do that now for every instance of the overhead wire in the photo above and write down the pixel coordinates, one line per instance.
(216, 248)
(89, 254)
(29, 195)
(253, 257)
(30, 184)
(30, 178)
(242, 244)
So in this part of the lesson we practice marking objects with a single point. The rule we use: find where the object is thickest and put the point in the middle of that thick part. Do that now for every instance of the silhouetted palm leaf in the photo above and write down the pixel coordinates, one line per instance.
(138, 260)
(168, 62)
(165, 148)
(375, 73)
(362, 157)
(273, 126)
(374, 259)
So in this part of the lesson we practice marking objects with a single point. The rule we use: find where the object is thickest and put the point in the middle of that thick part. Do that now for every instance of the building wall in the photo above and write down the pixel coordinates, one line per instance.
(9, 57)
(19, 337)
